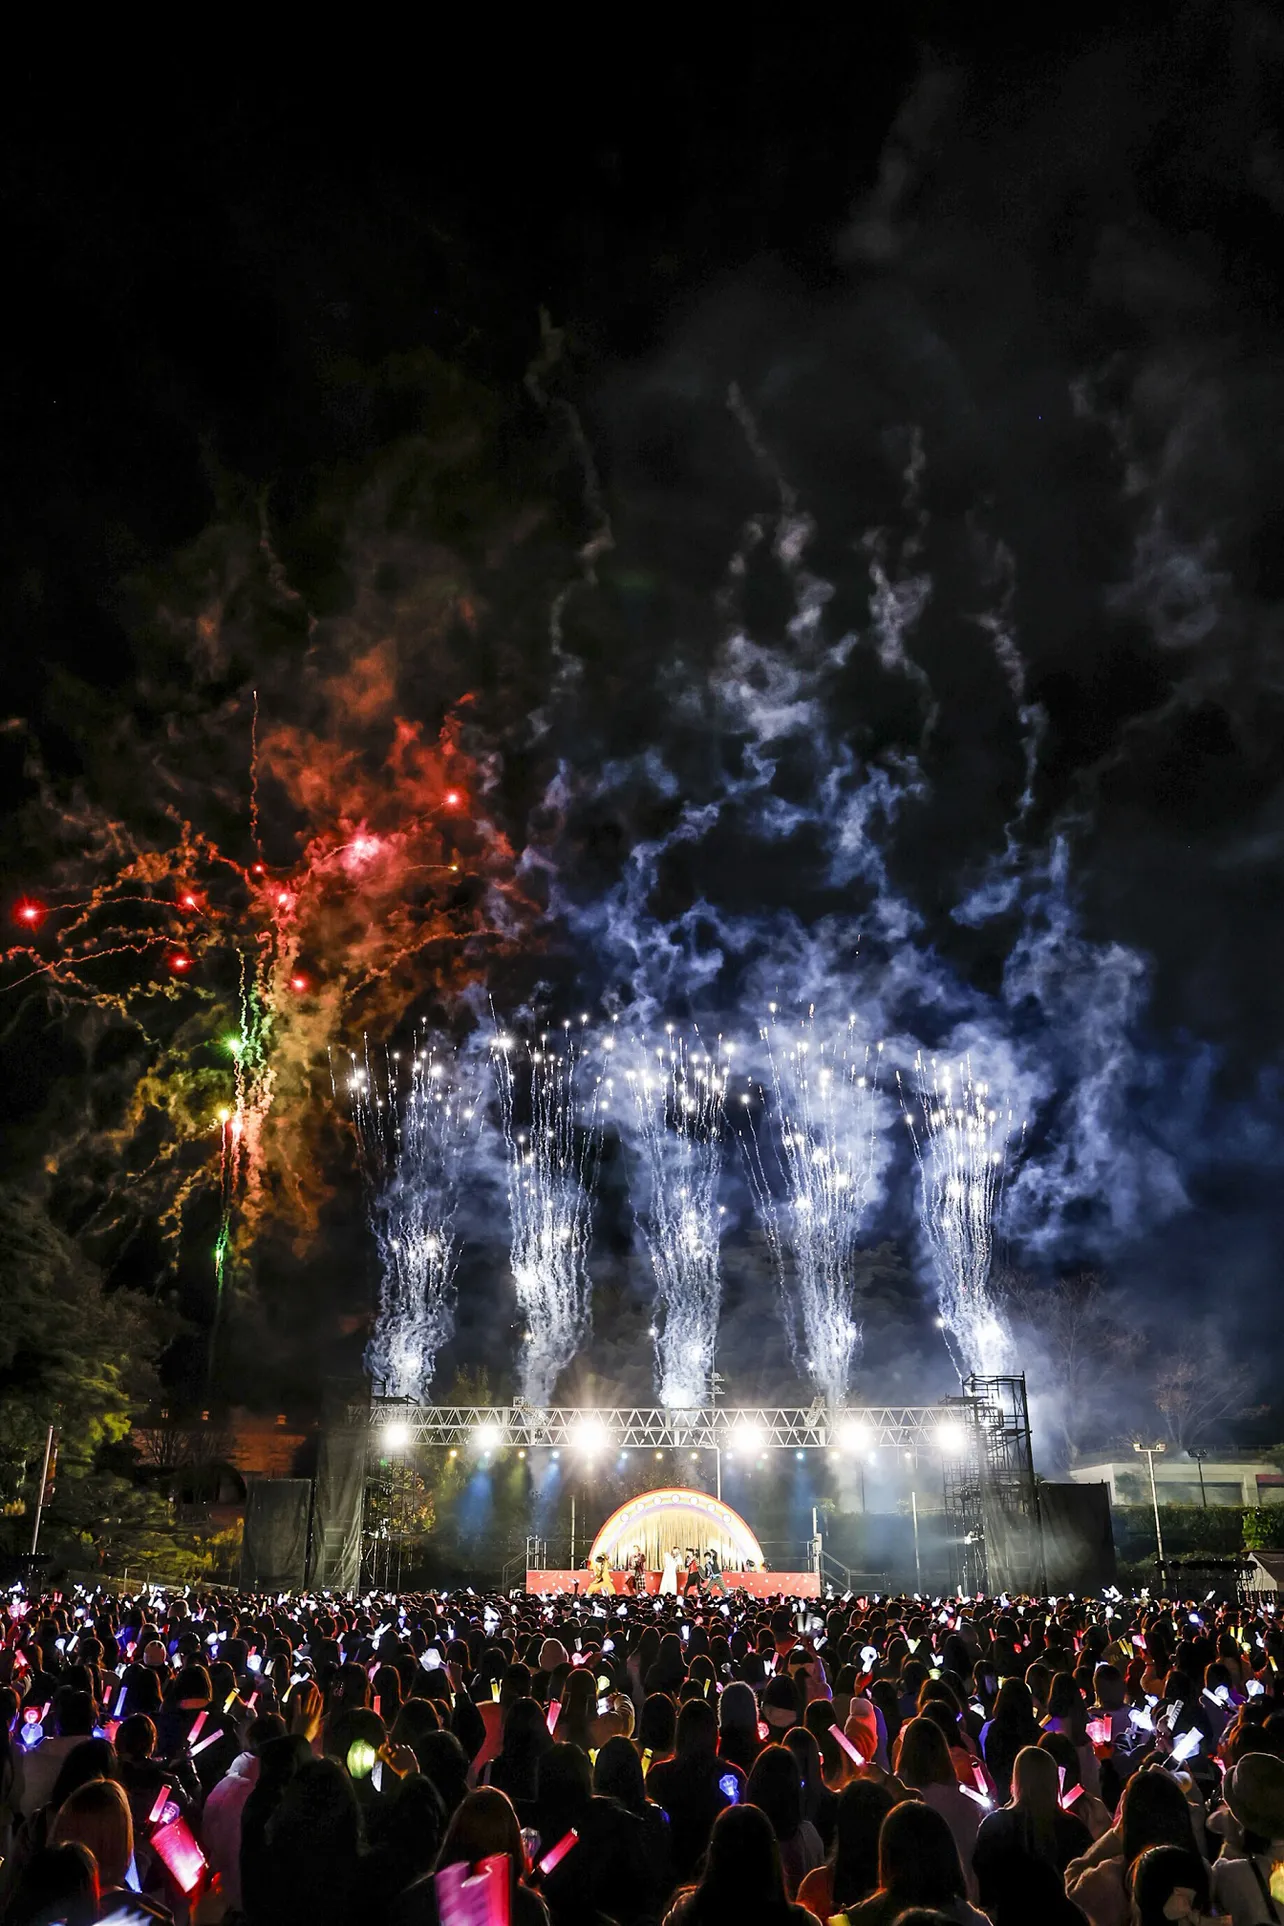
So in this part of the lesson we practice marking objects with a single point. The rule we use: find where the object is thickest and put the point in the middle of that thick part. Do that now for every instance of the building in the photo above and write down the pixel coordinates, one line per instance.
(1179, 1480)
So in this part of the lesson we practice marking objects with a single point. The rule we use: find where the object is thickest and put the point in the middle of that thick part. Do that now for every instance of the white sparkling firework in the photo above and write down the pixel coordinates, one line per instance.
(678, 1093)
(414, 1130)
(552, 1177)
(960, 1134)
(824, 1119)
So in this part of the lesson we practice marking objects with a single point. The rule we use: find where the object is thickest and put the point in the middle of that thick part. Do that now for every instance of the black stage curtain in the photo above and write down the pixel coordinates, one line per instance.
(274, 1551)
(1078, 1538)
(336, 1528)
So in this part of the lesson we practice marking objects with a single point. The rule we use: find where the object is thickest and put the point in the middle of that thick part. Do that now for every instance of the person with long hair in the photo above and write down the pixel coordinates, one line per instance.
(819, 1804)
(579, 1709)
(486, 1825)
(775, 1786)
(738, 1738)
(924, 1765)
(617, 1776)
(515, 1768)
(1009, 1729)
(850, 1873)
(58, 1887)
(918, 1865)
(657, 1730)
(695, 1785)
(314, 1843)
(97, 1816)
(1033, 1827)
(742, 1879)
(1153, 1812)
(1094, 1813)
(1068, 1713)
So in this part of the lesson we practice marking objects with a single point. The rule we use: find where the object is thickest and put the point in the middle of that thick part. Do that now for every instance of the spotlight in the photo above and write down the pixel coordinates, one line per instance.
(396, 1437)
(748, 1437)
(487, 1437)
(798, 1454)
(521, 1454)
(590, 1434)
(853, 1436)
(951, 1438)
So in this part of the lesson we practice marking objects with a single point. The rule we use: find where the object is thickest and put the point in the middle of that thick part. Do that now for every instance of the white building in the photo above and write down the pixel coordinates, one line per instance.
(1225, 1481)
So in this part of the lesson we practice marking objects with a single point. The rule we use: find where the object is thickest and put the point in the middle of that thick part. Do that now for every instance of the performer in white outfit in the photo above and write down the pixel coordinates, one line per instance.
(669, 1575)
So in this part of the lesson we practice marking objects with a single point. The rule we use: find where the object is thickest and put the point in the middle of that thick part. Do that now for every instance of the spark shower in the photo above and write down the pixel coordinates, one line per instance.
(811, 1122)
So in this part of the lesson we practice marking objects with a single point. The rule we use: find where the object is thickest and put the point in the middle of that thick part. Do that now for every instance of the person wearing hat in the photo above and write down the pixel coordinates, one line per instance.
(779, 1706)
(1254, 1791)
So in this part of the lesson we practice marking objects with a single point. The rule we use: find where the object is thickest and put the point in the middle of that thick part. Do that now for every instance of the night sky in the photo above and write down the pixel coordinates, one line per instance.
(862, 588)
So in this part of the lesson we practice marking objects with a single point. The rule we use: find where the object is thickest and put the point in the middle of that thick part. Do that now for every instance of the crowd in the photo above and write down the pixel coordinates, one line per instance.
(701, 1760)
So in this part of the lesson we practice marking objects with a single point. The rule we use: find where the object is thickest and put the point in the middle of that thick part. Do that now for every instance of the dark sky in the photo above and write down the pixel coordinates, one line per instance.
(922, 389)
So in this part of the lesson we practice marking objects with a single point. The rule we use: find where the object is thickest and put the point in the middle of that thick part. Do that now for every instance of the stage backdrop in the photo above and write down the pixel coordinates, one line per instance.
(671, 1520)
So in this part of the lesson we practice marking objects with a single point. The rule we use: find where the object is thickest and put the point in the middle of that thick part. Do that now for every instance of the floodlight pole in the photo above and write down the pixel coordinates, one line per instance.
(44, 1483)
(1149, 1452)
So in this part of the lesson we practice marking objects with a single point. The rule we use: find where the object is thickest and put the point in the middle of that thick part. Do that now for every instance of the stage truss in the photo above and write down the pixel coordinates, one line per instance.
(636, 1427)
(981, 1436)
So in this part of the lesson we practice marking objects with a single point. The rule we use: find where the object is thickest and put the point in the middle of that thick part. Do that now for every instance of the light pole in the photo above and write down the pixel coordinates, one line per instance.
(1149, 1452)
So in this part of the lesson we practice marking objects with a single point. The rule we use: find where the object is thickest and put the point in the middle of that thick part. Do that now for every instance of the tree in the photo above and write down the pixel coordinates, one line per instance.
(1198, 1387)
(78, 1357)
(1077, 1344)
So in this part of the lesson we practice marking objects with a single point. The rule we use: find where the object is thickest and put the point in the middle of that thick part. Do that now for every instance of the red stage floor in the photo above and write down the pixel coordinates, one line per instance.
(757, 1584)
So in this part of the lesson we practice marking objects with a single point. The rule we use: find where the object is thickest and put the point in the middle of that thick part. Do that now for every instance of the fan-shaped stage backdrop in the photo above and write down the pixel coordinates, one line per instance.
(675, 1520)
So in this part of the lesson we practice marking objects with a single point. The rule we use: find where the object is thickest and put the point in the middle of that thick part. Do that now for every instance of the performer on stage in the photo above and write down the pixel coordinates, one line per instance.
(601, 1580)
(635, 1570)
(695, 1571)
(669, 1575)
(713, 1579)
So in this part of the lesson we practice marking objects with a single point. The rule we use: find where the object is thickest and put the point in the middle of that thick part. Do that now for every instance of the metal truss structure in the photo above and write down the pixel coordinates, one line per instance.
(709, 1428)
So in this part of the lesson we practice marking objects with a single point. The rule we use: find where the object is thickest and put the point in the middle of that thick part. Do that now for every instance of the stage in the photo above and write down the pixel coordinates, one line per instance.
(676, 1520)
(757, 1584)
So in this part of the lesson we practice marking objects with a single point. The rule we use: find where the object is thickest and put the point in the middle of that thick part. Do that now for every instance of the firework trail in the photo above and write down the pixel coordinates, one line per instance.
(824, 1118)
(960, 1138)
(413, 1143)
(678, 1106)
(552, 1178)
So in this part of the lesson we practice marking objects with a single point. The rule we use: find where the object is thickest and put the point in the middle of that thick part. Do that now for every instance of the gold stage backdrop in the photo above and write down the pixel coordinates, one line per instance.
(672, 1519)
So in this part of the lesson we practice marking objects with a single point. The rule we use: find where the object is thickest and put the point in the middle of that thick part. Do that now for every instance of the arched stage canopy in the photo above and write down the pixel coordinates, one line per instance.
(671, 1520)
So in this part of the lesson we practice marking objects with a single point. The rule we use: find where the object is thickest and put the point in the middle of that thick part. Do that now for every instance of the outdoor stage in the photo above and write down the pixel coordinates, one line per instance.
(674, 1520)
(757, 1583)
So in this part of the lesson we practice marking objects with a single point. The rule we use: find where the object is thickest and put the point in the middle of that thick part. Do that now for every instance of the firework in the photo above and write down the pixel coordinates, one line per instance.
(227, 972)
(552, 1178)
(824, 1120)
(960, 1136)
(413, 1134)
(678, 1095)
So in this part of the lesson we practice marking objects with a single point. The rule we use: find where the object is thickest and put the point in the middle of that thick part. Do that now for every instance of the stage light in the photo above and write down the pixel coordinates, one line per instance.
(590, 1434)
(798, 1454)
(487, 1437)
(748, 1437)
(853, 1436)
(396, 1437)
(521, 1454)
(951, 1437)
